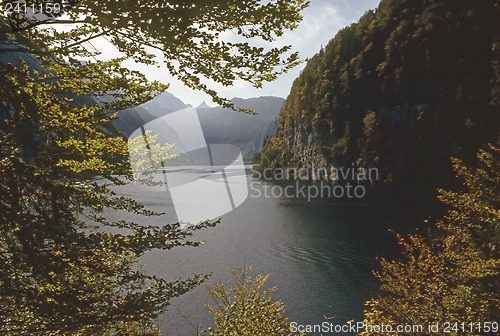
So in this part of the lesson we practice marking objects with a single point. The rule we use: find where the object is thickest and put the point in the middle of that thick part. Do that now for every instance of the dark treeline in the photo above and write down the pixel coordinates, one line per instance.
(403, 90)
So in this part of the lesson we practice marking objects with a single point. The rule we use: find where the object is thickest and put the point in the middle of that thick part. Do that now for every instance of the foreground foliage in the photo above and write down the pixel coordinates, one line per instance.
(247, 309)
(61, 272)
(455, 275)
(64, 268)
(188, 35)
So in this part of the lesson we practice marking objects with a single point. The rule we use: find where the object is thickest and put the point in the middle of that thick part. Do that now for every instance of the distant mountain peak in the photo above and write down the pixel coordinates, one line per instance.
(203, 105)
(165, 102)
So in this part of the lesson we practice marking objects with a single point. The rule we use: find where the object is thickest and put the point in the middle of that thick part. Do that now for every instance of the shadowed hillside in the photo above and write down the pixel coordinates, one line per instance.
(402, 90)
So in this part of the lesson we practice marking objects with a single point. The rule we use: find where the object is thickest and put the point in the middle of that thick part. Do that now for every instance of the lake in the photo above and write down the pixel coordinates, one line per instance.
(320, 254)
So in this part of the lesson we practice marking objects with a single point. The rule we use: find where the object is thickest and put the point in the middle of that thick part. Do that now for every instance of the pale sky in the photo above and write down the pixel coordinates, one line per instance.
(322, 20)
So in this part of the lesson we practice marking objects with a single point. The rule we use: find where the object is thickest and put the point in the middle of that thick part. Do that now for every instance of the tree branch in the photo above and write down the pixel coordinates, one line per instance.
(80, 42)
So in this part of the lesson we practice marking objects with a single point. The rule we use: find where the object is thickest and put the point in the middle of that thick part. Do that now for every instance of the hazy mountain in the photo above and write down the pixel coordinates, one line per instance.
(165, 102)
(130, 119)
(219, 125)
(203, 105)
(246, 131)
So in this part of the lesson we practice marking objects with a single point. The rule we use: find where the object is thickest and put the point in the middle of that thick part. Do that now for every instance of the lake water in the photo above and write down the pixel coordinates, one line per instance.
(320, 255)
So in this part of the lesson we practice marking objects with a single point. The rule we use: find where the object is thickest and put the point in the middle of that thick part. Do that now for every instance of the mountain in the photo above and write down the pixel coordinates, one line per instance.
(164, 102)
(129, 120)
(245, 131)
(203, 105)
(219, 125)
(402, 90)
(13, 58)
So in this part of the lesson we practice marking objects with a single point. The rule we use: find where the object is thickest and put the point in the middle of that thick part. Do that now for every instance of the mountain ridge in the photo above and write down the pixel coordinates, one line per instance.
(219, 125)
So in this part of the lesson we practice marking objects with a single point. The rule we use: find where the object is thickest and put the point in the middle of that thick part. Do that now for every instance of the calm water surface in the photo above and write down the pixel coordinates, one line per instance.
(320, 255)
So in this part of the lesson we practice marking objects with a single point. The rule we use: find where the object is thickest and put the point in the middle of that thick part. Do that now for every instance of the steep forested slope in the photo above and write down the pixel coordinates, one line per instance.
(402, 90)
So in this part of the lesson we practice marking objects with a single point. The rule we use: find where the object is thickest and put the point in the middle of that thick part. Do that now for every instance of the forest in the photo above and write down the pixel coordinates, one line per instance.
(404, 89)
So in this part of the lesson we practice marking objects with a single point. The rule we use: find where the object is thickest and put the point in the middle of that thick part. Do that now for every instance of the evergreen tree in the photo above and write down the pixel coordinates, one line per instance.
(420, 71)
(455, 275)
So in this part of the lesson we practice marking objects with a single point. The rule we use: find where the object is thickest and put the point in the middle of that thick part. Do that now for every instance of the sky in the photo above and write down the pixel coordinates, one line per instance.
(322, 20)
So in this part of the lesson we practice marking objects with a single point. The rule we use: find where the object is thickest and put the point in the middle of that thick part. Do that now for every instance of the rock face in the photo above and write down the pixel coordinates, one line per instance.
(302, 146)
